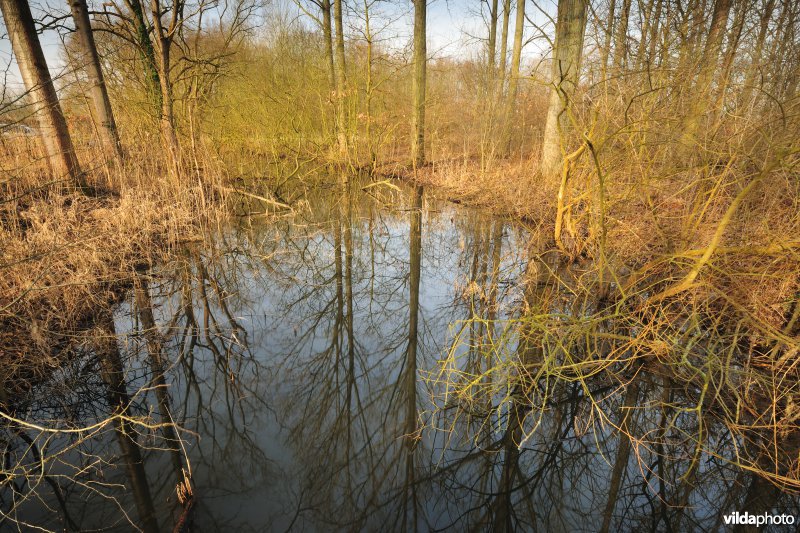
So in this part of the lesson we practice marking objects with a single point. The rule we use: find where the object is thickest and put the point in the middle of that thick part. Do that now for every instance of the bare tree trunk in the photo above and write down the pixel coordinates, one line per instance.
(758, 50)
(621, 40)
(653, 37)
(492, 52)
(38, 83)
(163, 45)
(731, 48)
(503, 52)
(113, 374)
(420, 79)
(566, 65)
(708, 65)
(341, 78)
(327, 34)
(609, 35)
(103, 114)
(513, 77)
(147, 52)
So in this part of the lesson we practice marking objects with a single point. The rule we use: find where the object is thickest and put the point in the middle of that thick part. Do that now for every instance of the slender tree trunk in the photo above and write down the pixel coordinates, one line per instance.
(608, 37)
(566, 66)
(623, 454)
(492, 51)
(327, 34)
(147, 53)
(39, 85)
(513, 77)
(653, 37)
(368, 89)
(503, 52)
(410, 378)
(420, 79)
(708, 66)
(163, 46)
(113, 374)
(758, 50)
(621, 41)
(730, 54)
(103, 114)
(341, 79)
(155, 349)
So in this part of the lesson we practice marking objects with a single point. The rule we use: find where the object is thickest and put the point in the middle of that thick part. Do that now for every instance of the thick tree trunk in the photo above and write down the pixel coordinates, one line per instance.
(39, 85)
(420, 78)
(101, 105)
(566, 65)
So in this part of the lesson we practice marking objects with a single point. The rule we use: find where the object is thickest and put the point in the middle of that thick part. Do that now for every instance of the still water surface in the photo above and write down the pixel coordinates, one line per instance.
(325, 369)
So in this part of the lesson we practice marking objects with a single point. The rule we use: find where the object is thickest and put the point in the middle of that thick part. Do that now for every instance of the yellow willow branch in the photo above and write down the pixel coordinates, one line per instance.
(688, 281)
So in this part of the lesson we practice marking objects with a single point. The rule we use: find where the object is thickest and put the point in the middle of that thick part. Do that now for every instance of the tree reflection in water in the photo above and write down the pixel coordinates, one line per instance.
(361, 367)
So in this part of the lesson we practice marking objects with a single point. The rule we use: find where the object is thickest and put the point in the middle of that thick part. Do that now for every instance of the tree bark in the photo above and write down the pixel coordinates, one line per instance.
(566, 65)
(101, 105)
(163, 41)
(621, 40)
(341, 78)
(327, 34)
(492, 52)
(708, 66)
(609, 36)
(38, 83)
(420, 79)
(147, 53)
(503, 52)
(513, 76)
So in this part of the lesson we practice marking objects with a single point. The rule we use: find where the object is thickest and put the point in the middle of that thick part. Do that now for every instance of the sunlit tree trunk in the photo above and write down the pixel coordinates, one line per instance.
(621, 40)
(608, 37)
(653, 35)
(709, 62)
(327, 35)
(163, 40)
(369, 88)
(341, 78)
(147, 53)
(492, 45)
(753, 69)
(731, 48)
(39, 85)
(101, 105)
(566, 65)
(513, 77)
(420, 79)
(503, 52)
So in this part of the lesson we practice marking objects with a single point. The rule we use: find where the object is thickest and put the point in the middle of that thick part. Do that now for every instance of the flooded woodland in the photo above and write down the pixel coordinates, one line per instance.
(332, 265)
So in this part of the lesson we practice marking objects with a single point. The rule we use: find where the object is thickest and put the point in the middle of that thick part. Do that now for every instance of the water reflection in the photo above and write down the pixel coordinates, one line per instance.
(349, 368)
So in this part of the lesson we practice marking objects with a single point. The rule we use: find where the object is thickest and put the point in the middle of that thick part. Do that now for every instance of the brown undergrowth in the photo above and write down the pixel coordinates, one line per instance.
(66, 255)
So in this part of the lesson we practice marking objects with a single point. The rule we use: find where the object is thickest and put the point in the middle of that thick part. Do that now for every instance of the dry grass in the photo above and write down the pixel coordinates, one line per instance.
(65, 255)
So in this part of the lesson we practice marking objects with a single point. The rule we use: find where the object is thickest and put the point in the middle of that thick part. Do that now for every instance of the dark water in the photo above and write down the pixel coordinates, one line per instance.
(352, 367)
